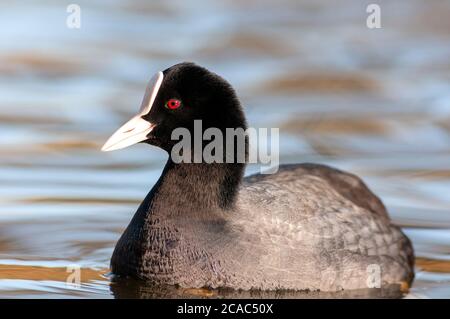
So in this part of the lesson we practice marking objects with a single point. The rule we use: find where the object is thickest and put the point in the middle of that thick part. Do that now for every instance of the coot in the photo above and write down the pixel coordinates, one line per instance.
(306, 227)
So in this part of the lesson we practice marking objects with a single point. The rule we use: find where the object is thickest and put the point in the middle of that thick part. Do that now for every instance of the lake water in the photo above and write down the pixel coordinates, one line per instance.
(372, 101)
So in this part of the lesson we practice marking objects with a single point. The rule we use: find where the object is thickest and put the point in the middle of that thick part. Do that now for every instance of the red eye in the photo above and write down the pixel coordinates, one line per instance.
(173, 104)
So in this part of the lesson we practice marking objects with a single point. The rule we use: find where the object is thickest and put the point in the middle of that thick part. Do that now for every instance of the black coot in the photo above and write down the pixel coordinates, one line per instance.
(204, 225)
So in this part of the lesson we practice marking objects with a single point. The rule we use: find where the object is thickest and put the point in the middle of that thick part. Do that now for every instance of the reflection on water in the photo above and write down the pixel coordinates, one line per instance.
(375, 102)
(137, 289)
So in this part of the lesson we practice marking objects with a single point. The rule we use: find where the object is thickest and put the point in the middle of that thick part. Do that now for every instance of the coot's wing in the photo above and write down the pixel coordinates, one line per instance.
(347, 185)
(321, 219)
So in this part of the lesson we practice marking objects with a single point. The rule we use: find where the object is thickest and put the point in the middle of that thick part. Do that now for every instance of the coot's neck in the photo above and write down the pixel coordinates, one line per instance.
(194, 189)
(185, 196)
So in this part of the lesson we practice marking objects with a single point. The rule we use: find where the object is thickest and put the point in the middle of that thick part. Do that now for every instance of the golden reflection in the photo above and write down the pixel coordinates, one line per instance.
(48, 273)
(431, 265)
(79, 200)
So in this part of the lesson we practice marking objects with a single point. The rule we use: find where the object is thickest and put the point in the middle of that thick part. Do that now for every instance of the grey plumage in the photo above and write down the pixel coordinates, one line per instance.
(306, 227)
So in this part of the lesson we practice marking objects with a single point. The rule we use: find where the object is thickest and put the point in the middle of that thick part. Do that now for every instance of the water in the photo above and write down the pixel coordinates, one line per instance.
(374, 102)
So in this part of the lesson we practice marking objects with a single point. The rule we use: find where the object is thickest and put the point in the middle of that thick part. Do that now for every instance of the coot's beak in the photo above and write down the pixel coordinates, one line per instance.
(136, 129)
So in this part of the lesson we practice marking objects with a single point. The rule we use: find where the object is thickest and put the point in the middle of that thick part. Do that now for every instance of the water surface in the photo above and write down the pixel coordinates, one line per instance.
(375, 102)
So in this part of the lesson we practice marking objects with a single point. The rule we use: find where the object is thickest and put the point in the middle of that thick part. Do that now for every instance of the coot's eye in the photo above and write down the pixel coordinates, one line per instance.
(173, 104)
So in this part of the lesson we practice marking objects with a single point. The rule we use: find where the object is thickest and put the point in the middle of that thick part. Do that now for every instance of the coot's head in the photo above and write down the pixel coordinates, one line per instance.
(175, 98)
